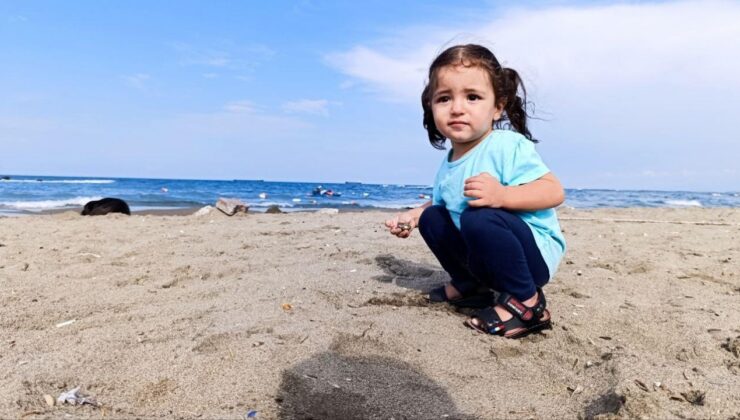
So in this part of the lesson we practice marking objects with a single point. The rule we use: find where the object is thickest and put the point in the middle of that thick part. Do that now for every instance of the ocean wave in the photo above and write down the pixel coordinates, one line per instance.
(683, 203)
(59, 181)
(47, 204)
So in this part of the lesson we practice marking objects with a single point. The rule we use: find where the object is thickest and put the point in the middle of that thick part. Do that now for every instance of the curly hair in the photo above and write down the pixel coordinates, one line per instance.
(506, 82)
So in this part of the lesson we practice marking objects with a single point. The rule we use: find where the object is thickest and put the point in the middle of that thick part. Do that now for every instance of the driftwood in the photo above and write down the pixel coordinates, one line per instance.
(676, 222)
(231, 206)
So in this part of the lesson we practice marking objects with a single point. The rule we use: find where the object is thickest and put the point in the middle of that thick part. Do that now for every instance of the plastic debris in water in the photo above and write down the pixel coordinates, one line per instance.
(72, 397)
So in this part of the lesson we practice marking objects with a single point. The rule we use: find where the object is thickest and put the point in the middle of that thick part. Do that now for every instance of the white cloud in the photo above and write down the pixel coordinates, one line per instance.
(223, 55)
(137, 81)
(17, 18)
(621, 45)
(308, 106)
(397, 78)
(620, 87)
(240, 107)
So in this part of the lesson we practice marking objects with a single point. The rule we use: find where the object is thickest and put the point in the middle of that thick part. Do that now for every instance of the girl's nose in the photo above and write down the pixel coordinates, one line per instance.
(457, 106)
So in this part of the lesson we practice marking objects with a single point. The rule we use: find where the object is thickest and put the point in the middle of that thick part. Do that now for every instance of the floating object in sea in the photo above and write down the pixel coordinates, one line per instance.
(424, 196)
(296, 200)
(365, 194)
(318, 191)
(263, 195)
(328, 193)
(164, 189)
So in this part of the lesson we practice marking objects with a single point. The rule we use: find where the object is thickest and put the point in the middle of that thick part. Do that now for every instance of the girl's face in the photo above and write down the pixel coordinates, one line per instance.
(464, 106)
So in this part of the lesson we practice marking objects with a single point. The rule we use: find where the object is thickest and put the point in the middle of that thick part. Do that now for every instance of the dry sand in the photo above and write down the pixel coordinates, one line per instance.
(319, 316)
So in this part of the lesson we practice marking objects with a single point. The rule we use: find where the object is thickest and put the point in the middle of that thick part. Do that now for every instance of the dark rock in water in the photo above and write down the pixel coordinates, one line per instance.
(5, 177)
(273, 209)
(105, 206)
(231, 206)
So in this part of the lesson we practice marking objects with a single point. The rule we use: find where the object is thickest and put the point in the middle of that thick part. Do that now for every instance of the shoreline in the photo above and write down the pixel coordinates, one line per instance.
(188, 211)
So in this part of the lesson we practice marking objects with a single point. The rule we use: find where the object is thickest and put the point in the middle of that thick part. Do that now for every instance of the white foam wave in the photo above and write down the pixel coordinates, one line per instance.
(60, 181)
(684, 203)
(47, 204)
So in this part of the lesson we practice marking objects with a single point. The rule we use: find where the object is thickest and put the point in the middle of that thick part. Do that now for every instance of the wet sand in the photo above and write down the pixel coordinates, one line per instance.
(306, 315)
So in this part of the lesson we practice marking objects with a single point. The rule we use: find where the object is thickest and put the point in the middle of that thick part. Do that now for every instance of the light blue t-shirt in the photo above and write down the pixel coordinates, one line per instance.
(512, 159)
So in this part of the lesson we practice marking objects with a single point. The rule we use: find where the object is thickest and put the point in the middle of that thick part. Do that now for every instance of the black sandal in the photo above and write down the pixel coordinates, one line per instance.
(479, 298)
(525, 321)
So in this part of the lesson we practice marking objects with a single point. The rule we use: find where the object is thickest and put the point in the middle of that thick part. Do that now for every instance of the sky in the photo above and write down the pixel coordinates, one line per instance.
(626, 95)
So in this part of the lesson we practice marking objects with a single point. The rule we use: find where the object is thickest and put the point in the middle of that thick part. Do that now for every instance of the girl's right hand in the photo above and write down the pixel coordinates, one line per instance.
(402, 224)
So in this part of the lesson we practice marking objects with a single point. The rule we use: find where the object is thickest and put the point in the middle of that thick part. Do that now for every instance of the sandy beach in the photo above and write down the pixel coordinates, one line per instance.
(306, 315)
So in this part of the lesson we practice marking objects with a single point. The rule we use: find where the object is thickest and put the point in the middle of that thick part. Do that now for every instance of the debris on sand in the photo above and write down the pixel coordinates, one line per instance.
(74, 398)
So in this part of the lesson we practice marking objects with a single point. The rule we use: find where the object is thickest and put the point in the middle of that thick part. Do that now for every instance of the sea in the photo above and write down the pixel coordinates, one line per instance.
(26, 195)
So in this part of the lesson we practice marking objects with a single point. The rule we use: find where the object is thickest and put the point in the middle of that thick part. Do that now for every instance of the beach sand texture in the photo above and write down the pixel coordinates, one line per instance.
(306, 315)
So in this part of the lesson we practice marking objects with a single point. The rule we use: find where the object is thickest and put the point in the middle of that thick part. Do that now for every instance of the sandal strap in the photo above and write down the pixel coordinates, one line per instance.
(541, 306)
(518, 309)
(490, 321)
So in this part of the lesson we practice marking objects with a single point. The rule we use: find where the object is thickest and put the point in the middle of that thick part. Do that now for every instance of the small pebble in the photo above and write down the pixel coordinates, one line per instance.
(49, 400)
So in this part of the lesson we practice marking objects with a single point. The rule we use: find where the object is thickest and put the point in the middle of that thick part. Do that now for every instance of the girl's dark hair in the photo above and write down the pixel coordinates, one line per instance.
(506, 87)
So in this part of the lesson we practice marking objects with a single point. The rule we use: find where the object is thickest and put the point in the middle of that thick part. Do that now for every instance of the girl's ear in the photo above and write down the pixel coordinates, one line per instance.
(499, 111)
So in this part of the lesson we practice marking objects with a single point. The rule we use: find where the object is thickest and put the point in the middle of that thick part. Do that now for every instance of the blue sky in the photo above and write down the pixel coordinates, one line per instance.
(629, 95)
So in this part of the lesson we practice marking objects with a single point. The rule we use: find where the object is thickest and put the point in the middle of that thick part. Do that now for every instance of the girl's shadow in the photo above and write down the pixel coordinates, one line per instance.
(409, 274)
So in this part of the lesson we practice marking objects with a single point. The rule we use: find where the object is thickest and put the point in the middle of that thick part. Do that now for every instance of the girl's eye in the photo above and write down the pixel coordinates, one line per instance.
(473, 97)
(442, 99)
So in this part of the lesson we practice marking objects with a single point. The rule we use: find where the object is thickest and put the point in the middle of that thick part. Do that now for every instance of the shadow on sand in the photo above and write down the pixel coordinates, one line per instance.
(409, 274)
(334, 386)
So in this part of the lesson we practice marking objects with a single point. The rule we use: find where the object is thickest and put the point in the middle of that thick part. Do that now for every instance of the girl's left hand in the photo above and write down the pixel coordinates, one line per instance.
(486, 191)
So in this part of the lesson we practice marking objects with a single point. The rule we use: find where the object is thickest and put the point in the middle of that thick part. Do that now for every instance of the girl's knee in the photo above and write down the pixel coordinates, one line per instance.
(479, 219)
(475, 215)
(433, 215)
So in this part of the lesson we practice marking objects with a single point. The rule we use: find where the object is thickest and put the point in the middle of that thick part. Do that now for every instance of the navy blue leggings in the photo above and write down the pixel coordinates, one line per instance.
(493, 247)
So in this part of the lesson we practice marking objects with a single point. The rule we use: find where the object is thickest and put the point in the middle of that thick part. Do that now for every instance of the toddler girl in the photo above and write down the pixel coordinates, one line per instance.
(490, 222)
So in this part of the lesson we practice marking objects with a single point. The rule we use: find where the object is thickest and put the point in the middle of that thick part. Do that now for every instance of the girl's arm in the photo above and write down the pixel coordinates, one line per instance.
(543, 193)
